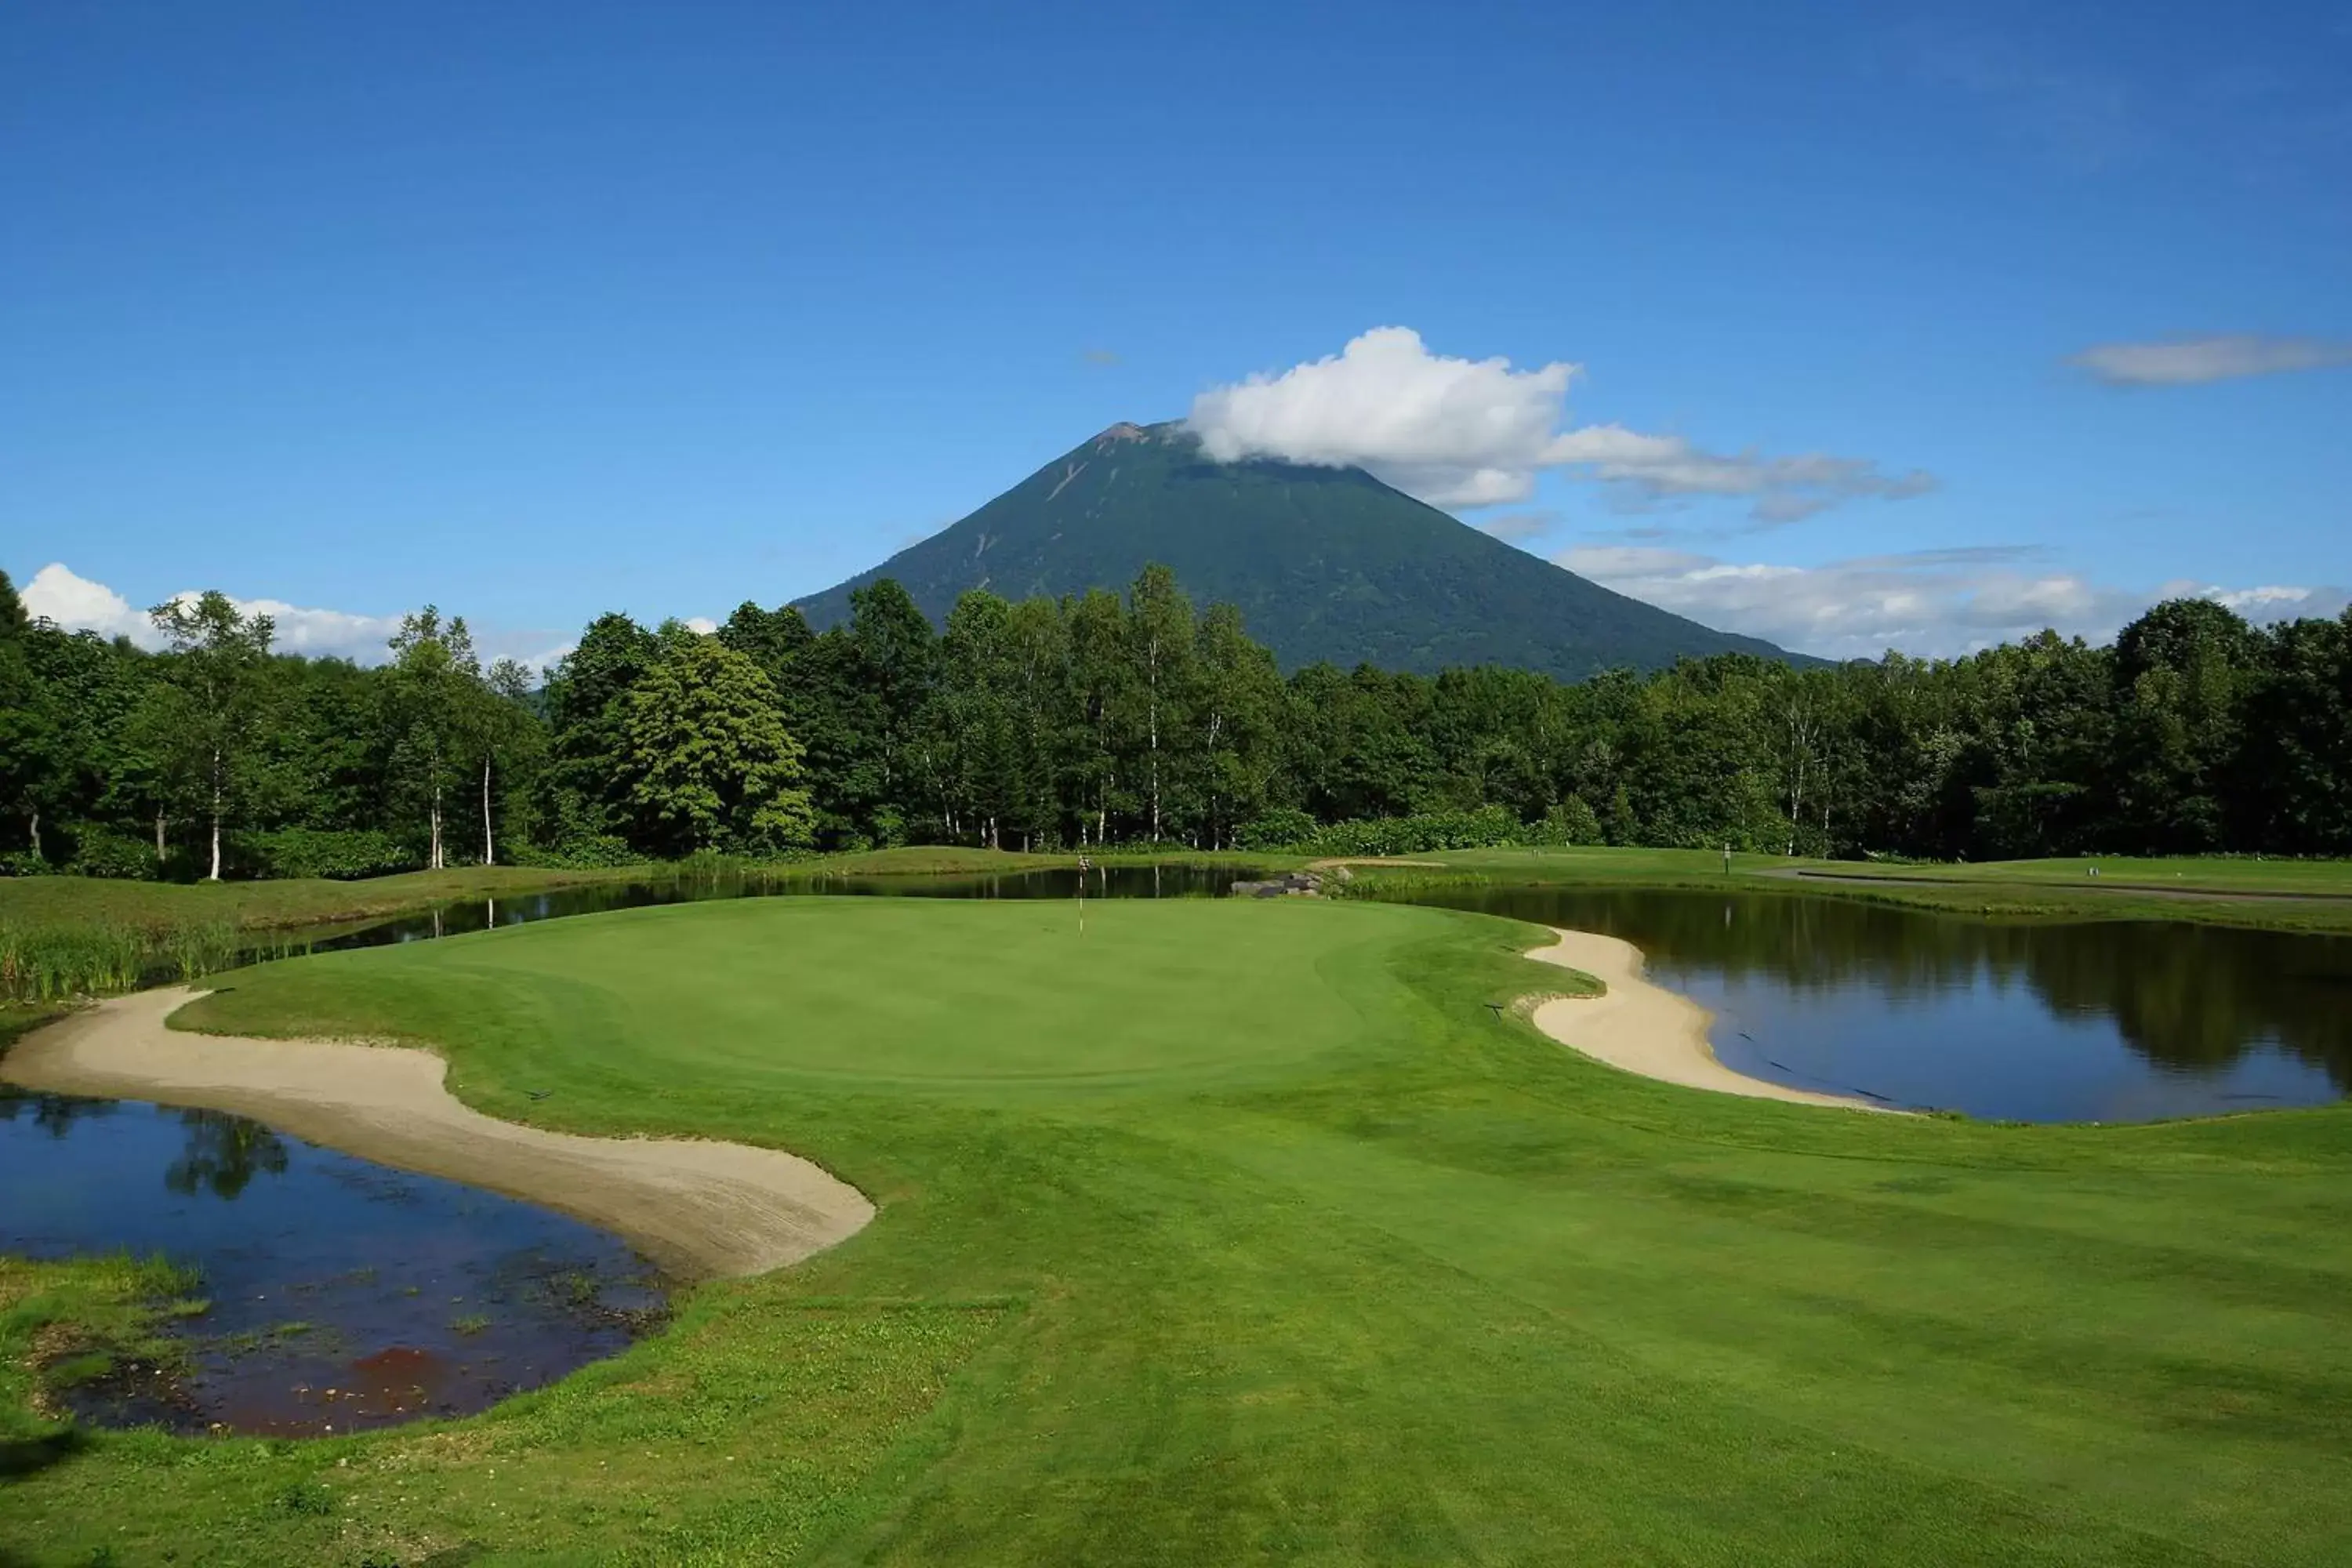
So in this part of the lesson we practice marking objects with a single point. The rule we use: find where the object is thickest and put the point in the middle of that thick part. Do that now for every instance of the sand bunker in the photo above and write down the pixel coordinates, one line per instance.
(1646, 1028)
(696, 1208)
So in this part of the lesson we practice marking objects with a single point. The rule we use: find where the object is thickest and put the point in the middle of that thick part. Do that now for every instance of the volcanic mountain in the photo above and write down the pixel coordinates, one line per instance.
(1324, 563)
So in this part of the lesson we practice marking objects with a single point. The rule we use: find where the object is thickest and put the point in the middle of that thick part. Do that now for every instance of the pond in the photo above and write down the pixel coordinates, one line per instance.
(343, 1294)
(2095, 1021)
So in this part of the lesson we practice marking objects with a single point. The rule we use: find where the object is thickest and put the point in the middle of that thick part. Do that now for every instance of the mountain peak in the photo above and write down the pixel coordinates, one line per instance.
(1325, 563)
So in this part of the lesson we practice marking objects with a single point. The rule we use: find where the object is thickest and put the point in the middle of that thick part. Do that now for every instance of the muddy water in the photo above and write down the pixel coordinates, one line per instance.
(343, 1294)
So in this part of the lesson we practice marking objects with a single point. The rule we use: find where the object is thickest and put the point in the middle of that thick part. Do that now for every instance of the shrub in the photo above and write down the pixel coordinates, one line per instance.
(103, 852)
(1279, 828)
(1570, 821)
(580, 852)
(1484, 828)
(288, 852)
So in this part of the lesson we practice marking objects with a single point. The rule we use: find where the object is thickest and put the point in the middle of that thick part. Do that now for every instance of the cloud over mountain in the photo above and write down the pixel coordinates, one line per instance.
(1471, 433)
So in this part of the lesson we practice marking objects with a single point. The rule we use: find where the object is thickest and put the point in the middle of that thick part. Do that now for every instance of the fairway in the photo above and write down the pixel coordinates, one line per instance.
(1248, 1231)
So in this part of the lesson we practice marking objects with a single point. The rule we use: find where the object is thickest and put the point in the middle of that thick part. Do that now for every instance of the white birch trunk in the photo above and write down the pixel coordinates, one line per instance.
(489, 847)
(1155, 743)
(215, 874)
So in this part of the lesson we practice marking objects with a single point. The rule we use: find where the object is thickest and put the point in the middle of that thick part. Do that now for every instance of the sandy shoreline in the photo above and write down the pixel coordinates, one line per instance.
(1646, 1028)
(696, 1208)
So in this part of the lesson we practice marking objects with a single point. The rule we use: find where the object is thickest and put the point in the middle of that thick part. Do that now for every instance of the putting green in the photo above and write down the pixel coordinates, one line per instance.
(1243, 1232)
(960, 997)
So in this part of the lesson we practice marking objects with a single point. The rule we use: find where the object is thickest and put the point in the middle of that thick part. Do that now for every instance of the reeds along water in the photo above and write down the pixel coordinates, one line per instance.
(53, 963)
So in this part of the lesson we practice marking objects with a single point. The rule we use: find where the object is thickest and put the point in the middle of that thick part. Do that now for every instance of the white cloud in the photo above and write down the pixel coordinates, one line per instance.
(1471, 433)
(79, 604)
(1925, 603)
(2223, 356)
(1661, 467)
(702, 624)
(1456, 432)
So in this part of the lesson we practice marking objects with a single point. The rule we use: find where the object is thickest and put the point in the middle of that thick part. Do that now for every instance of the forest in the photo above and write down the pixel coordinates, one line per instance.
(1103, 719)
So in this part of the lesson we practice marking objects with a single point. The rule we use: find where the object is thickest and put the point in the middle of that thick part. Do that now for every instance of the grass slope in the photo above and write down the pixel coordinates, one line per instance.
(1325, 563)
(1235, 1232)
(295, 901)
(2282, 895)
(314, 902)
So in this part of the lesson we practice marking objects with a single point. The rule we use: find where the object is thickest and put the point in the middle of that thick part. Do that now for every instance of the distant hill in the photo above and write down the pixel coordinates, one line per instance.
(1325, 563)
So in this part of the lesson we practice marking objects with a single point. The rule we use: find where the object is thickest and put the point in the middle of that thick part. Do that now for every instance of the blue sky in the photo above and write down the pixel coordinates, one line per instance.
(1931, 322)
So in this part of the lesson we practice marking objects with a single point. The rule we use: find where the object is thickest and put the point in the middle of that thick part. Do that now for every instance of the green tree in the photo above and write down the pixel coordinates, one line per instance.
(1160, 631)
(586, 784)
(895, 664)
(2181, 674)
(502, 733)
(1240, 704)
(2297, 778)
(975, 728)
(772, 639)
(213, 707)
(1100, 678)
(709, 762)
(1045, 715)
(437, 704)
(32, 742)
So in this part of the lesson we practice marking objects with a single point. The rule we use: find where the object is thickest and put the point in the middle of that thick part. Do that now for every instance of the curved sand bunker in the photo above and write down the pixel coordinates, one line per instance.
(1646, 1028)
(696, 1208)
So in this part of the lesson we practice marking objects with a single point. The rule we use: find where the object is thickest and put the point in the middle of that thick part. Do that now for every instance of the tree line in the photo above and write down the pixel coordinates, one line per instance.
(1105, 718)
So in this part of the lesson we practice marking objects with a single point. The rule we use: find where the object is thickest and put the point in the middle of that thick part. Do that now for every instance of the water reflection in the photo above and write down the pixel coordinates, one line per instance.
(222, 1155)
(2016, 1020)
(52, 1113)
(343, 1294)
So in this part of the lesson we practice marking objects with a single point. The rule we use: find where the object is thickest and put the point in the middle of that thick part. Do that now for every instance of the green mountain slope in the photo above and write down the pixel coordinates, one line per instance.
(1325, 563)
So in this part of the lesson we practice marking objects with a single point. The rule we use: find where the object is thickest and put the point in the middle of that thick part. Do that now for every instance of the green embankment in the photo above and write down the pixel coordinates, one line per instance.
(1236, 1232)
(99, 901)
(2283, 895)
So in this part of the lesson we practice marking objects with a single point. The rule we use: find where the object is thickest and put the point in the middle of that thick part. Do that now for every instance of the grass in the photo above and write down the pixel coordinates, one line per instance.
(2330, 878)
(50, 901)
(64, 940)
(87, 903)
(60, 962)
(1238, 1231)
(68, 1323)
(2020, 889)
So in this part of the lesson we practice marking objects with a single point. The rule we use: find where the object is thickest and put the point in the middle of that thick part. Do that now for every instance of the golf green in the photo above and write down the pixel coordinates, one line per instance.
(1246, 1231)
